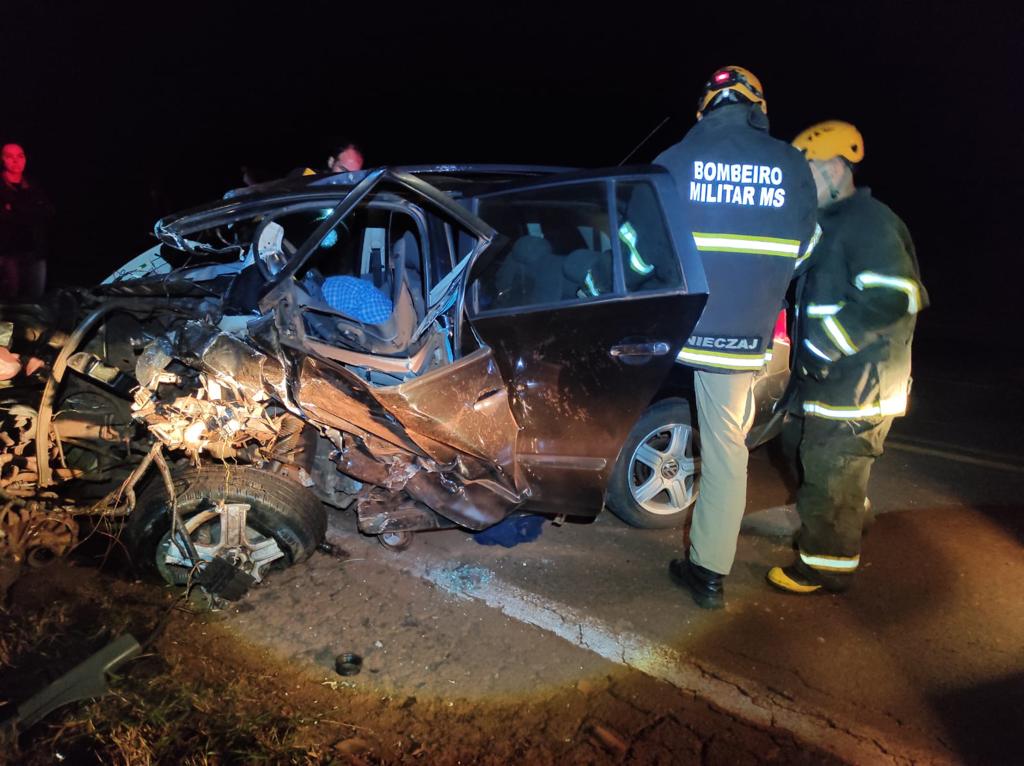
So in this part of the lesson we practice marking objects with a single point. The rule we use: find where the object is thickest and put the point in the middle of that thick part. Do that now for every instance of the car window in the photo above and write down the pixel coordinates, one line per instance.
(649, 261)
(363, 266)
(557, 247)
(299, 225)
(340, 252)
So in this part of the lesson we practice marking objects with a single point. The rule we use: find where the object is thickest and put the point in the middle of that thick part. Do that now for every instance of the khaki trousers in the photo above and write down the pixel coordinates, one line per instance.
(725, 413)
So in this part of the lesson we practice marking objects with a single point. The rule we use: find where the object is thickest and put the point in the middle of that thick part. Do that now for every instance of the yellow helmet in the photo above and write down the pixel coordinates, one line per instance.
(736, 79)
(832, 138)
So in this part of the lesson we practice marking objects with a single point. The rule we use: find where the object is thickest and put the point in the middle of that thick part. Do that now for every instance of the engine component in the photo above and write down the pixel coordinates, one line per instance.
(34, 532)
(217, 418)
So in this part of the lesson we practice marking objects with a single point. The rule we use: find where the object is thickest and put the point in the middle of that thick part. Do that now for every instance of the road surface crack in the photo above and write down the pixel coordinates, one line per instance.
(770, 706)
(791, 671)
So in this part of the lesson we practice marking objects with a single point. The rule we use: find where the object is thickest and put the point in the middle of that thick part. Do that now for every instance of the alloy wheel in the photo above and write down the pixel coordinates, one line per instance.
(663, 470)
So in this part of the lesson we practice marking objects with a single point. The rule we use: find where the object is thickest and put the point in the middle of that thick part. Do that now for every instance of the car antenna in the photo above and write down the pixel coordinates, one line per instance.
(647, 138)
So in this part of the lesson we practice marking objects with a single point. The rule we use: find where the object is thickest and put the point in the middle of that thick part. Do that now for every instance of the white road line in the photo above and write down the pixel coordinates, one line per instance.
(737, 696)
(954, 456)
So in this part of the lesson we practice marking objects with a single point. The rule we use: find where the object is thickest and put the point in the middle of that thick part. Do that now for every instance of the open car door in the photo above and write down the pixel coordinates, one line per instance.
(447, 406)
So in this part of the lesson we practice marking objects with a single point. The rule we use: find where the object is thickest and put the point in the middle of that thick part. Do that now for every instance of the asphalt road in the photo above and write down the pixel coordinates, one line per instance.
(922, 660)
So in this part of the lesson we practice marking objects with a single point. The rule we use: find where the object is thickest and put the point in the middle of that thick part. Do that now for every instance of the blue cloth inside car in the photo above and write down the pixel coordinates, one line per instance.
(357, 298)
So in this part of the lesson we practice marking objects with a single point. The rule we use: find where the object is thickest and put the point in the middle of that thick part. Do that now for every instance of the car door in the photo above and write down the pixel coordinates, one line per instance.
(585, 306)
(442, 403)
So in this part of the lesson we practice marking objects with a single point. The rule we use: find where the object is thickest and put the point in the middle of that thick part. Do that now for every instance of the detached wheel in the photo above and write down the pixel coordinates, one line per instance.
(256, 520)
(654, 482)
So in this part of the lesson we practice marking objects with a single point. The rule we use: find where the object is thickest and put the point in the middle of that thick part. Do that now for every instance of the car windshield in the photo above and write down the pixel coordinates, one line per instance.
(220, 228)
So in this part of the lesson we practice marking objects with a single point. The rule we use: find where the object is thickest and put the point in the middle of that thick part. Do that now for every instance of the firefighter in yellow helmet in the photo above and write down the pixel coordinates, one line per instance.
(857, 304)
(748, 204)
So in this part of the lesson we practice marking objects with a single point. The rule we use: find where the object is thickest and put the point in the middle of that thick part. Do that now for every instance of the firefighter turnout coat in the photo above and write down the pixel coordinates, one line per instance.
(857, 304)
(750, 206)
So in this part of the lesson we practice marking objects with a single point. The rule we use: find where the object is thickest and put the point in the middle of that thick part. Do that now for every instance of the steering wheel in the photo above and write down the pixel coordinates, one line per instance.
(271, 251)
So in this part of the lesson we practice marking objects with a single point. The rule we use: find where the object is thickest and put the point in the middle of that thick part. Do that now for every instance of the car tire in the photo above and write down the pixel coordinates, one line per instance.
(278, 508)
(634, 479)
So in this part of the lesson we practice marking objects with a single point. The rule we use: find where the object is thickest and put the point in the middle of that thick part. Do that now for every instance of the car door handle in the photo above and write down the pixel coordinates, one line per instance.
(651, 348)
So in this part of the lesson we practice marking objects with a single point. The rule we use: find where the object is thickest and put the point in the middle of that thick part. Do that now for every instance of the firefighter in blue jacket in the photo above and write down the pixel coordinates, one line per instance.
(748, 201)
(857, 305)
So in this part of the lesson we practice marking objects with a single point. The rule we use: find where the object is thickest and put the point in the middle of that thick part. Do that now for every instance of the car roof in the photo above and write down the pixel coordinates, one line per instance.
(457, 179)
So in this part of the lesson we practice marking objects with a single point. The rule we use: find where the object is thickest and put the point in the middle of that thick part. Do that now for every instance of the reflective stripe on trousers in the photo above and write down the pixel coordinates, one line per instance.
(836, 458)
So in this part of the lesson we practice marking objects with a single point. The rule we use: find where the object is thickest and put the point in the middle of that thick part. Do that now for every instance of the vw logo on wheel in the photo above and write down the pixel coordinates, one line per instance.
(663, 470)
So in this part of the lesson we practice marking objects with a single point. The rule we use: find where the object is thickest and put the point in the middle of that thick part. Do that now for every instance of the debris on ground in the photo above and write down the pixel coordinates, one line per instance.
(512, 531)
(348, 664)
(86, 680)
(607, 738)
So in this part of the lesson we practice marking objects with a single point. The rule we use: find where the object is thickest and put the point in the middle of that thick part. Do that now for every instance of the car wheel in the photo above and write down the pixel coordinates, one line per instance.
(278, 522)
(654, 483)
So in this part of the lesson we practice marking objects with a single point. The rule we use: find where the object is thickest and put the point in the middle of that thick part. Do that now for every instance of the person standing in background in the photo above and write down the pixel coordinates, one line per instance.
(345, 157)
(25, 215)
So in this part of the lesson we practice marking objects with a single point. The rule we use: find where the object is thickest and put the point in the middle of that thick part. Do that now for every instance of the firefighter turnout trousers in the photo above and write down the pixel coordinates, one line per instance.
(834, 460)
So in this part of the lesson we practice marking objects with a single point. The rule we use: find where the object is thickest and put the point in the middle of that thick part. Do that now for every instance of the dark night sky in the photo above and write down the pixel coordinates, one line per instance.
(113, 101)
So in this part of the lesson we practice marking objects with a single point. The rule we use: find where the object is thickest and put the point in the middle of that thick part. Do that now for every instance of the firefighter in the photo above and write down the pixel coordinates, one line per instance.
(748, 203)
(857, 304)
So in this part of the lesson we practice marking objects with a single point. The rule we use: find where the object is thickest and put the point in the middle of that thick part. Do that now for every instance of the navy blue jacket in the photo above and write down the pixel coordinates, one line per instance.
(750, 205)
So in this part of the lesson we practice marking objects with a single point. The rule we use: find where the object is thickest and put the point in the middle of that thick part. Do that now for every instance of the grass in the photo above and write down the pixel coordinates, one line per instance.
(19, 637)
(163, 720)
(182, 710)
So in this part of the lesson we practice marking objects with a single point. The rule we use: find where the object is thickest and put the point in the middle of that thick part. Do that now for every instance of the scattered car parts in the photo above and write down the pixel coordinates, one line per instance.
(86, 680)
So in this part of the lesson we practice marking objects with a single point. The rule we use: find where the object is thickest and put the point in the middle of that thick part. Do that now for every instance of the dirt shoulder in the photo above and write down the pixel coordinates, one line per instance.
(203, 693)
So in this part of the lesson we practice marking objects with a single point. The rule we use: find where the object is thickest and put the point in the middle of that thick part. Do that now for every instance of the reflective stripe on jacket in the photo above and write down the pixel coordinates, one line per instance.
(749, 204)
(857, 307)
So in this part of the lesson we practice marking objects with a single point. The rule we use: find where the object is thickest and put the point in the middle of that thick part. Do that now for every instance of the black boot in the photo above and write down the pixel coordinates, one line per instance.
(706, 587)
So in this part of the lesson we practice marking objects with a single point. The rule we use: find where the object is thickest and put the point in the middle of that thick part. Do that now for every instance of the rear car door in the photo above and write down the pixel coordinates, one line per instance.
(585, 303)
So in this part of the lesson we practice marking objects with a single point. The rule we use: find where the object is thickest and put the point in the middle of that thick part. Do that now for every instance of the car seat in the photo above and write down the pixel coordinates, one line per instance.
(407, 251)
(587, 274)
(528, 274)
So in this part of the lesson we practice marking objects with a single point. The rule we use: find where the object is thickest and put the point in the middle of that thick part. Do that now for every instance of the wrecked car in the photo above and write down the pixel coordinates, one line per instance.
(429, 348)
